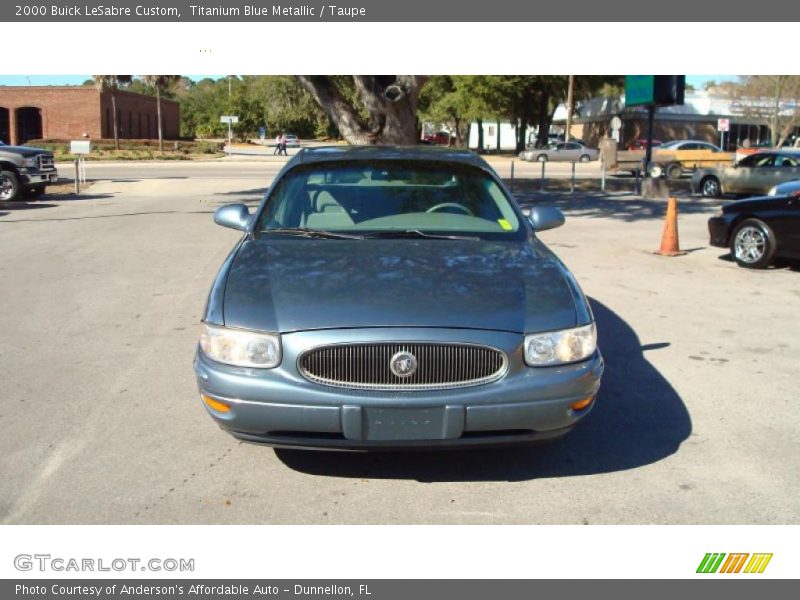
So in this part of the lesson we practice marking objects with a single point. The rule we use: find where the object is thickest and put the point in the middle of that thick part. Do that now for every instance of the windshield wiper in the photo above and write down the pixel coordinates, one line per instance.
(416, 233)
(314, 233)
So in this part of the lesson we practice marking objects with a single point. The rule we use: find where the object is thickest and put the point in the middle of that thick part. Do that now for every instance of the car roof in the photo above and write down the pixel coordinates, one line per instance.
(343, 152)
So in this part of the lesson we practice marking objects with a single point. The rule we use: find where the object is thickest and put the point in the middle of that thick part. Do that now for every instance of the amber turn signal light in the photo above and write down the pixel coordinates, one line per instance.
(581, 404)
(215, 404)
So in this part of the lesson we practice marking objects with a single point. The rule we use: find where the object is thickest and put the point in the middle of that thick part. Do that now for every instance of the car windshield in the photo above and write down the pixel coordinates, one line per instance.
(385, 198)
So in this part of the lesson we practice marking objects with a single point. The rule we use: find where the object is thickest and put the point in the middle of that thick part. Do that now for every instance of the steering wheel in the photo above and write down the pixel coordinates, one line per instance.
(456, 205)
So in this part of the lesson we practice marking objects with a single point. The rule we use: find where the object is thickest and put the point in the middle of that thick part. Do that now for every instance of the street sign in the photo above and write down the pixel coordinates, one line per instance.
(639, 90)
(80, 147)
(616, 123)
(723, 124)
(229, 119)
(654, 90)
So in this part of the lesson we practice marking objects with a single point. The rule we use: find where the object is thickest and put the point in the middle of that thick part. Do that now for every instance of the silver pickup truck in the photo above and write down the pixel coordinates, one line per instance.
(25, 172)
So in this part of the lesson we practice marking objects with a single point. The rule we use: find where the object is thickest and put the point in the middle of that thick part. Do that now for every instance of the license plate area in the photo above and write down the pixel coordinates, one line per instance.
(399, 424)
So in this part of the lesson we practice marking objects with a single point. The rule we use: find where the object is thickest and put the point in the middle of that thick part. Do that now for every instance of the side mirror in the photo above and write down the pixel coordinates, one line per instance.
(545, 217)
(235, 216)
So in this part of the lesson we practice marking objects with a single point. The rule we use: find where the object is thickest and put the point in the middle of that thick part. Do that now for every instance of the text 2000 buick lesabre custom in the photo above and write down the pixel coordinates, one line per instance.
(394, 298)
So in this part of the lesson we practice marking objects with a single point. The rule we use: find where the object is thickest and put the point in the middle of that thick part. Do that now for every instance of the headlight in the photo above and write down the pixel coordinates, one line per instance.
(31, 162)
(560, 347)
(241, 348)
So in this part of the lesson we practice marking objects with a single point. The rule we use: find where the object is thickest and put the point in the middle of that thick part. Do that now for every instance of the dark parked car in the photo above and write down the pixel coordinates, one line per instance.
(394, 297)
(641, 144)
(757, 230)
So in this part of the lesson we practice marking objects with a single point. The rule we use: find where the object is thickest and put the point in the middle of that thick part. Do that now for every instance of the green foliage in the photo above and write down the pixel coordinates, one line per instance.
(277, 103)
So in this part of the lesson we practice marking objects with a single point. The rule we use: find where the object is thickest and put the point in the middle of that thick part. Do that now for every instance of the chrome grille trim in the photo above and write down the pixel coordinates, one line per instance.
(46, 162)
(366, 365)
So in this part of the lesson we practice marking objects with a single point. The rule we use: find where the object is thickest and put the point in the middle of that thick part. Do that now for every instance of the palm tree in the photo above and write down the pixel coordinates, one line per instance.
(111, 83)
(159, 82)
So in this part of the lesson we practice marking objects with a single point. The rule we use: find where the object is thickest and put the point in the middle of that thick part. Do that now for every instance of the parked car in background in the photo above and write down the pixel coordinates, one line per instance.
(641, 144)
(754, 174)
(759, 229)
(292, 141)
(561, 152)
(385, 297)
(689, 145)
(440, 138)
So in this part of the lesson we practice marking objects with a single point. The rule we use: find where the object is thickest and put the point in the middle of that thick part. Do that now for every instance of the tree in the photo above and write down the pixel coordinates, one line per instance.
(160, 82)
(383, 109)
(771, 100)
(111, 83)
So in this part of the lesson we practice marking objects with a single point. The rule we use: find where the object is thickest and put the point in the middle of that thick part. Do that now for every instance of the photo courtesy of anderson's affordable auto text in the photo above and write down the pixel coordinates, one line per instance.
(521, 324)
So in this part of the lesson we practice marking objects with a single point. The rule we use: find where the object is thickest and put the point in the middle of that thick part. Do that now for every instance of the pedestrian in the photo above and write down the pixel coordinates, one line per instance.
(282, 144)
(277, 144)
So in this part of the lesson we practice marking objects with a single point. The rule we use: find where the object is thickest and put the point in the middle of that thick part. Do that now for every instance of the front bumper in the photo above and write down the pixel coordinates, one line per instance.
(33, 177)
(279, 407)
(719, 231)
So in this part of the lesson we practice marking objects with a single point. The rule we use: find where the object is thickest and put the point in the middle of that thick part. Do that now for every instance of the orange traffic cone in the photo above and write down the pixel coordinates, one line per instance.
(669, 239)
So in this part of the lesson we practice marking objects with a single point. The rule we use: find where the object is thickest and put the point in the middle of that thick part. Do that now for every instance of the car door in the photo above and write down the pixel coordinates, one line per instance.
(787, 168)
(784, 220)
(750, 175)
(559, 153)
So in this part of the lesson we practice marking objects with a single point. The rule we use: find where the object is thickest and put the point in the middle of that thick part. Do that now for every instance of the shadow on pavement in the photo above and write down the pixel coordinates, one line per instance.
(639, 419)
(625, 208)
(10, 207)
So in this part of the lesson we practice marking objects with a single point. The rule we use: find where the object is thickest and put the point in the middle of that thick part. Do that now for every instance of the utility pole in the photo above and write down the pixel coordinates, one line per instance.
(570, 92)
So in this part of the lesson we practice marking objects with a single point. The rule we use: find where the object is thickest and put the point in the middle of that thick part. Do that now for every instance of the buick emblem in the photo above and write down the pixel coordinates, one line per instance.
(403, 364)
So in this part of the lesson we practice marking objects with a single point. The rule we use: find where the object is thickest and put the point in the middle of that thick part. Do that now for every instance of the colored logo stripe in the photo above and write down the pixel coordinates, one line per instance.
(758, 563)
(710, 563)
(733, 564)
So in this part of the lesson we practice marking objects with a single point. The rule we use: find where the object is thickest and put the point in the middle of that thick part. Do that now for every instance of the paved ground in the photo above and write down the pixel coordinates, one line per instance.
(101, 295)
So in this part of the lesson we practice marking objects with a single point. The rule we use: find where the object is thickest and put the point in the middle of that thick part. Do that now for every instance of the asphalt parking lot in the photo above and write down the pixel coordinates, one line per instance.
(101, 297)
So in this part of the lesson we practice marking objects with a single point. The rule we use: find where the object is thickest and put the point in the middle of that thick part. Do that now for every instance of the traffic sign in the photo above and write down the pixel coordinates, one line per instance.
(229, 119)
(723, 124)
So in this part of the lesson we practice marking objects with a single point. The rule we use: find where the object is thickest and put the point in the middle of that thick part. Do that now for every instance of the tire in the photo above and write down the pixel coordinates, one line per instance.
(674, 171)
(542, 158)
(655, 171)
(752, 244)
(34, 192)
(585, 158)
(710, 187)
(9, 186)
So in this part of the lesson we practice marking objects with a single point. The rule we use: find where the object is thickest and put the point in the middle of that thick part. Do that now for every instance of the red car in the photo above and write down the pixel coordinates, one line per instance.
(642, 144)
(440, 138)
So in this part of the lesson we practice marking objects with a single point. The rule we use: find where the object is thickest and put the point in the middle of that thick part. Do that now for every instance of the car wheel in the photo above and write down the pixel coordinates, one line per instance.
(585, 158)
(710, 187)
(753, 244)
(542, 158)
(9, 186)
(674, 171)
(655, 171)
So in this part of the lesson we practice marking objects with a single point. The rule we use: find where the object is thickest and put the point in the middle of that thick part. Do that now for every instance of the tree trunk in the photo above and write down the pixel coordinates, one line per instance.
(522, 133)
(498, 137)
(114, 111)
(158, 105)
(390, 103)
(543, 130)
(480, 135)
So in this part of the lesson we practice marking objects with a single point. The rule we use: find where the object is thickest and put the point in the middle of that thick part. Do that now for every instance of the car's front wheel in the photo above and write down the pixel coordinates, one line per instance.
(753, 244)
(710, 187)
(674, 171)
(9, 186)
(585, 158)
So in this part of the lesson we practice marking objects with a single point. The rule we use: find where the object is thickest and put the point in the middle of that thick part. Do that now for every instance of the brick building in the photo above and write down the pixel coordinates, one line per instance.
(72, 112)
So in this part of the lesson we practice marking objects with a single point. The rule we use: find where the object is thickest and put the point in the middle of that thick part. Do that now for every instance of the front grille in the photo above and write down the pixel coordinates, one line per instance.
(46, 162)
(367, 366)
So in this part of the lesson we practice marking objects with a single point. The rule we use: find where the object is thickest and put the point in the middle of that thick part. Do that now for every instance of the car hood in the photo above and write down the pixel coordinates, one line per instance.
(297, 284)
(26, 151)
